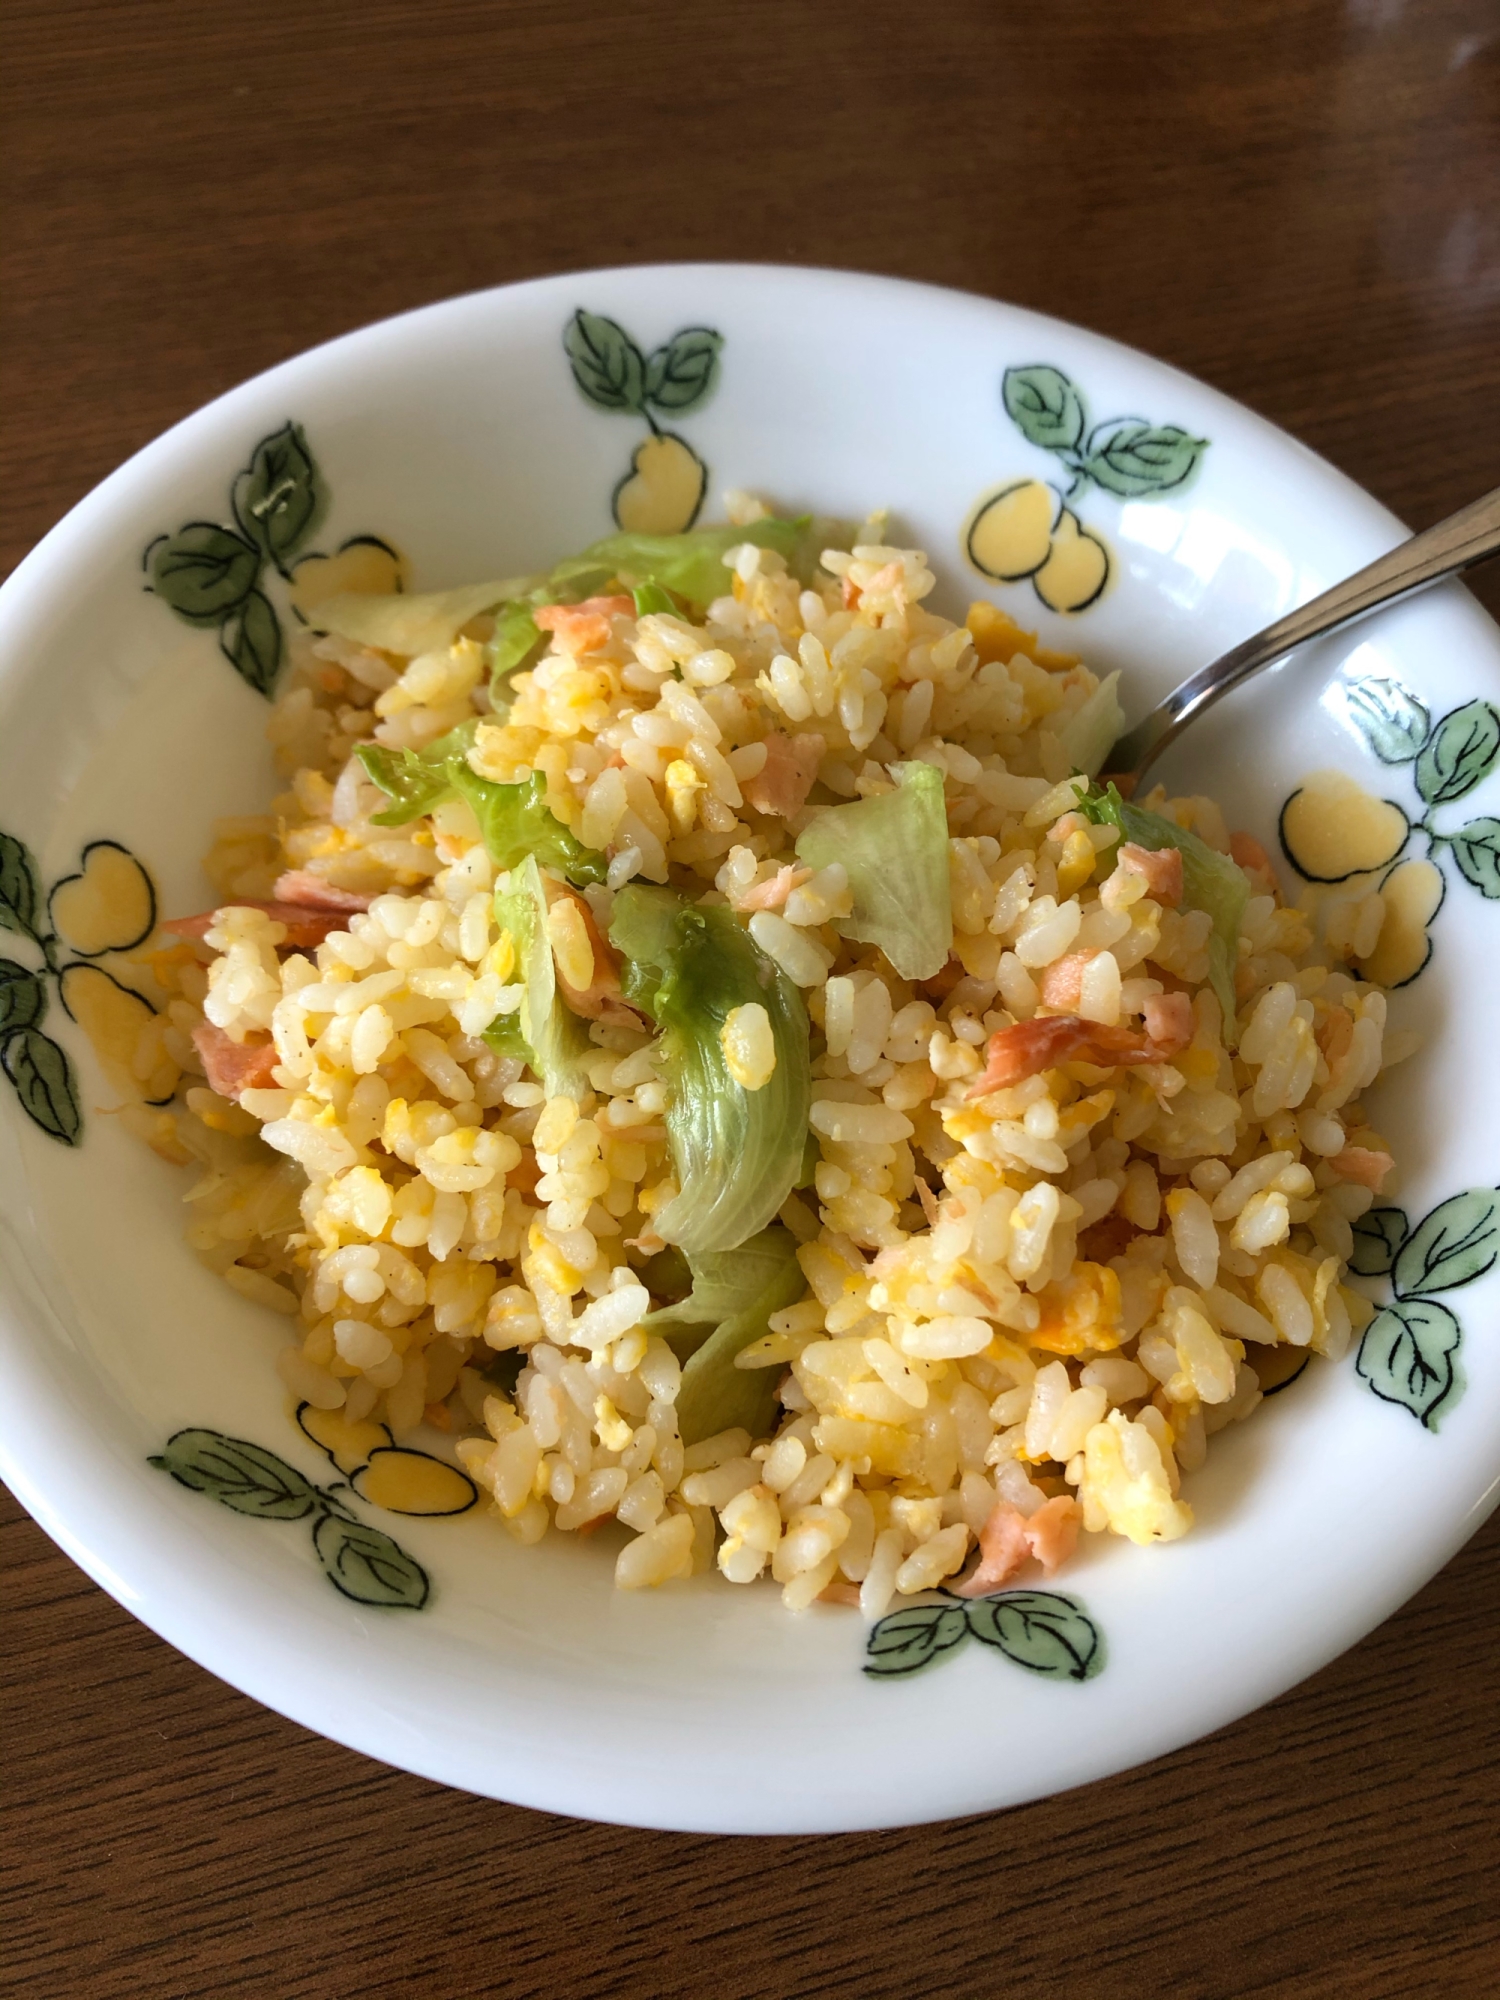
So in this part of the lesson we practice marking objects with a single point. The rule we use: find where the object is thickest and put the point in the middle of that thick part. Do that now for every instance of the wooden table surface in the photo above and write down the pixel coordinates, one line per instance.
(1297, 200)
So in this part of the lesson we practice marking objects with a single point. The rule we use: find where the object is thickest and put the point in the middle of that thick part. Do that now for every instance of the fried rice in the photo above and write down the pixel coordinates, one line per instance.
(1067, 1202)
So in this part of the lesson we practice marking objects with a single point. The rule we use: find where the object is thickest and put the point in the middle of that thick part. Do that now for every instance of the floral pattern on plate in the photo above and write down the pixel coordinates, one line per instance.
(107, 905)
(1336, 833)
(359, 1560)
(218, 575)
(661, 492)
(1025, 531)
(1408, 1353)
(1041, 1630)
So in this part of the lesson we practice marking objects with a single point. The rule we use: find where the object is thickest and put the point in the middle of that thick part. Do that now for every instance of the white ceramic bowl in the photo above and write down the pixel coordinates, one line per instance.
(460, 435)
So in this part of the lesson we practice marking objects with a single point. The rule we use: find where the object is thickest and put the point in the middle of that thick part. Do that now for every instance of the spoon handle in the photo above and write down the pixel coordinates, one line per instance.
(1464, 538)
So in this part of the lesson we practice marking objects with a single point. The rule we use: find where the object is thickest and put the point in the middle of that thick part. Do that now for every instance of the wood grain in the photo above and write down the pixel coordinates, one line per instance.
(1294, 199)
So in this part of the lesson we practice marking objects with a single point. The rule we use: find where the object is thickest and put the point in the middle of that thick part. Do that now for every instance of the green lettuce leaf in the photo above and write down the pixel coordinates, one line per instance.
(667, 1275)
(691, 566)
(1088, 736)
(517, 636)
(737, 1153)
(651, 598)
(894, 849)
(408, 625)
(722, 1284)
(817, 532)
(514, 820)
(1210, 881)
(545, 1032)
(416, 780)
(736, 1292)
(505, 1037)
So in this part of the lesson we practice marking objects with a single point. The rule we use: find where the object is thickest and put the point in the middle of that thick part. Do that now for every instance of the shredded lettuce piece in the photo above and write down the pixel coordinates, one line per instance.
(667, 1275)
(691, 566)
(651, 598)
(551, 1037)
(895, 851)
(504, 1035)
(408, 625)
(739, 1289)
(1210, 881)
(416, 780)
(514, 820)
(517, 636)
(819, 532)
(723, 1283)
(1088, 736)
(665, 571)
(737, 1153)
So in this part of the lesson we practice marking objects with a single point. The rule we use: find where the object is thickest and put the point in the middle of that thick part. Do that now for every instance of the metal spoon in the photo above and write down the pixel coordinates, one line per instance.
(1465, 538)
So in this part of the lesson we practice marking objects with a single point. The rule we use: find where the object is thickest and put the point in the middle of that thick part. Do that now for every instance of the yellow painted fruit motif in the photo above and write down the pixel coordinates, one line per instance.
(364, 568)
(1077, 569)
(1412, 894)
(108, 906)
(1011, 535)
(347, 1442)
(1024, 531)
(1333, 828)
(116, 1021)
(413, 1482)
(663, 490)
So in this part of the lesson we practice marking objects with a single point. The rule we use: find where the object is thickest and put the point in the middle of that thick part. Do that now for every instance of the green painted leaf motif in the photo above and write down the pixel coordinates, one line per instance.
(1461, 751)
(1457, 1243)
(607, 365)
(368, 1566)
(23, 997)
(1044, 406)
(1406, 1356)
(20, 891)
(44, 1082)
(1041, 1630)
(1378, 1236)
(279, 494)
(243, 1476)
(250, 640)
(203, 571)
(684, 373)
(1393, 722)
(1476, 849)
(913, 1638)
(1130, 458)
